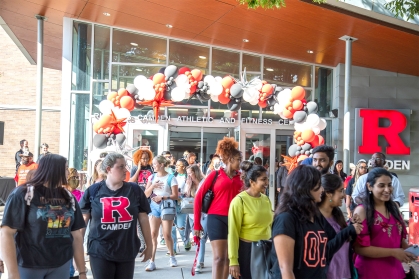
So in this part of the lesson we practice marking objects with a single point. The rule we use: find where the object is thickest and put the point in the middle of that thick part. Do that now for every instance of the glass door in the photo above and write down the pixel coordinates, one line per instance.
(255, 145)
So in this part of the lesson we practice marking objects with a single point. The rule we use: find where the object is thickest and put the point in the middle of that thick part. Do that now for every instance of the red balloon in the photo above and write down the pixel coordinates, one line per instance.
(263, 104)
(297, 105)
(268, 89)
(183, 70)
(321, 139)
(197, 74)
(223, 99)
(288, 114)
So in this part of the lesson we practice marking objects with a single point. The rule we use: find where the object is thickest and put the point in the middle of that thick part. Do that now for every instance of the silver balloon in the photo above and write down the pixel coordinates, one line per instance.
(300, 116)
(120, 138)
(292, 150)
(312, 107)
(170, 71)
(131, 89)
(236, 90)
(306, 146)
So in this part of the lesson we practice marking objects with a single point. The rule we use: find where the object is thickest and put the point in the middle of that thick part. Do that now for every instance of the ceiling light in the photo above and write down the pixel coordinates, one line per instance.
(202, 57)
(106, 14)
(134, 44)
(245, 40)
(169, 26)
(269, 69)
(180, 140)
(310, 51)
(139, 70)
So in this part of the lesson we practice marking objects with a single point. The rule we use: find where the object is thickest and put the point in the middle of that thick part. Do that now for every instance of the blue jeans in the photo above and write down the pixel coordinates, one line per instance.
(181, 222)
(45, 273)
(72, 269)
(204, 236)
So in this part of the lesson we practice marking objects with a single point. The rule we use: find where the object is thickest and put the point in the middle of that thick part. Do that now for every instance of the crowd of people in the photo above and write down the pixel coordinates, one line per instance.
(52, 224)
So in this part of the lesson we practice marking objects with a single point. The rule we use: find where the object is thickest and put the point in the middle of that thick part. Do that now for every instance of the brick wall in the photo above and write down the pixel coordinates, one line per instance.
(18, 88)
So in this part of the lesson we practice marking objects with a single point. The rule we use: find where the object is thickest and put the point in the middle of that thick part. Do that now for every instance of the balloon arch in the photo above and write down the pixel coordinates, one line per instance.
(173, 84)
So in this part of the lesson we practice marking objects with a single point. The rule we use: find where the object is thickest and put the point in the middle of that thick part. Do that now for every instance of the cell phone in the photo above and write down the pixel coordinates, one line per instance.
(414, 250)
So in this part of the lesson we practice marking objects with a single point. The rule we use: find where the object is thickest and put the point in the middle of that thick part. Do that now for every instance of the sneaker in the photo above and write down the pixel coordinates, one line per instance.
(162, 242)
(201, 265)
(172, 262)
(198, 268)
(168, 253)
(188, 246)
(151, 266)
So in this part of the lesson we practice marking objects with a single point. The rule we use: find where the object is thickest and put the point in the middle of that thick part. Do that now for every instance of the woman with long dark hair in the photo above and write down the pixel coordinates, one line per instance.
(360, 169)
(381, 244)
(226, 186)
(250, 219)
(338, 170)
(340, 266)
(114, 207)
(42, 225)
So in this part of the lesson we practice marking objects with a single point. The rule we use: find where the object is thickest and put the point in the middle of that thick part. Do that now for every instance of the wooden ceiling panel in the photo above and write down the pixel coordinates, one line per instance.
(152, 13)
(33, 37)
(73, 7)
(49, 51)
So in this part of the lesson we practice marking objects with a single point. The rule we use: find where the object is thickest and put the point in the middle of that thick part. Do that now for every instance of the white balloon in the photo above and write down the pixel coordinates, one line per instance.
(316, 130)
(138, 80)
(247, 95)
(181, 80)
(106, 106)
(281, 114)
(121, 113)
(218, 79)
(209, 79)
(216, 88)
(145, 89)
(149, 94)
(322, 124)
(254, 102)
(257, 83)
(277, 108)
(178, 94)
(284, 96)
(214, 98)
(299, 127)
(313, 120)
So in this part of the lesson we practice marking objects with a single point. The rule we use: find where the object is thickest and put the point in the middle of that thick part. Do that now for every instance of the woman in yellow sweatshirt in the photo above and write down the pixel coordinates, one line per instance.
(249, 219)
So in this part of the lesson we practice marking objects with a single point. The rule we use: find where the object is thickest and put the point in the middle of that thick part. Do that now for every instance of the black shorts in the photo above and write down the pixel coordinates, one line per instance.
(217, 226)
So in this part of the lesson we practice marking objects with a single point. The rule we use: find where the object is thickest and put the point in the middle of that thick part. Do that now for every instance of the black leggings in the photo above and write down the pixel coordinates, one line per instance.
(245, 250)
(104, 269)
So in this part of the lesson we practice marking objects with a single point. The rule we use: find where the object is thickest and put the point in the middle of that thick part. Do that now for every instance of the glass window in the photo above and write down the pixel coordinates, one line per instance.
(79, 131)
(323, 90)
(123, 75)
(99, 93)
(225, 63)
(286, 73)
(327, 133)
(82, 37)
(146, 139)
(251, 63)
(248, 110)
(101, 53)
(187, 55)
(175, 112)
(135, 48)
(221, 111)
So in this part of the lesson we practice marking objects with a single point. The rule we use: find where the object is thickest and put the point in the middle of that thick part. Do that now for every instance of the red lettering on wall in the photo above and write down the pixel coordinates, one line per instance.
(118, 204)
(371, 131)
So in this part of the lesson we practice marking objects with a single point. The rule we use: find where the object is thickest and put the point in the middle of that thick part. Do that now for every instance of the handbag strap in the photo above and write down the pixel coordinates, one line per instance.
(213, 181)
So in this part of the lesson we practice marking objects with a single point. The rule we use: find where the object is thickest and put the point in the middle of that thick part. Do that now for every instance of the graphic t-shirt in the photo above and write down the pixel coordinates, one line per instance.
(23, 171)
(165, 190)
(143, 175)
(43, 238)
(113, 221)
(310, 246)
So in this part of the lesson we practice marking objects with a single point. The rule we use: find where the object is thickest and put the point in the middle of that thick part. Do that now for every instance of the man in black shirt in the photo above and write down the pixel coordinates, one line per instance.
(23, 147)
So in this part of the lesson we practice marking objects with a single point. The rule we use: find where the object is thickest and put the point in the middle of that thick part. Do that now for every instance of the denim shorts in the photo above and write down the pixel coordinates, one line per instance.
(155, 209)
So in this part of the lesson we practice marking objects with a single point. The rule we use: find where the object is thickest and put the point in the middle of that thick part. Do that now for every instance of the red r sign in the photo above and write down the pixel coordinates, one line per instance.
(371, 130)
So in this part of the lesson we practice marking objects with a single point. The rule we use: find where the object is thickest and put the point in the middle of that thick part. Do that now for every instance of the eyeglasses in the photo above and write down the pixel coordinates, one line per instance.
(363, 168)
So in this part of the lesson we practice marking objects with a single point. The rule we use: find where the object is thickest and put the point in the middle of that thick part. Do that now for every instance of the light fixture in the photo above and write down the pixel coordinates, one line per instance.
(139, 70)
(134, 44)
(106, 14)
(169, 26)
(245, 40)
(269, 69)
(180, 140)
(310, 51)
(202, 57)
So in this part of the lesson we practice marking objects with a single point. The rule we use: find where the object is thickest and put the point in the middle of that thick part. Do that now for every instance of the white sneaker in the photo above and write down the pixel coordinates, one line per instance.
(201, 265)
(151, 266)
(198, 268)
(172, 262)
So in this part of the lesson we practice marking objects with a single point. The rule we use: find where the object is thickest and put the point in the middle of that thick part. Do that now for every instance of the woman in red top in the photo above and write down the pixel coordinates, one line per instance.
(226, 187)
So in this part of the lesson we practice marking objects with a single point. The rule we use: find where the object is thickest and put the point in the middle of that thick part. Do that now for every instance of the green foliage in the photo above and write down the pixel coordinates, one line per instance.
(400, 8)
(404, 8)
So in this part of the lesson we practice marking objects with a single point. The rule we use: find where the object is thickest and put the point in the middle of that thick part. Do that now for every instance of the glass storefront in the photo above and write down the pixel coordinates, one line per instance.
(105, 59)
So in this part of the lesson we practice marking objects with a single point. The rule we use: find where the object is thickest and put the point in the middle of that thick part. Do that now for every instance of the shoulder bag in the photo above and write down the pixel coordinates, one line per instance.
(209, 196)
(168, 207)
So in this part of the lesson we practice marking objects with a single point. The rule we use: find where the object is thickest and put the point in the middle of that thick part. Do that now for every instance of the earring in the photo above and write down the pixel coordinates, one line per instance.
(330, 200)
(370, 192)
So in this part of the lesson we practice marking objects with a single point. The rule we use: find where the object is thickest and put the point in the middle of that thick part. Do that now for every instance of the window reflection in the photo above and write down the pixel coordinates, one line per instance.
(286, 73)
(101, 53)
(187, 55)
(251, 63)
(100, 92)
(82, 37)
(221, 111)
(123, 75)
(323, 90)
(79, 132)
(136, 48)
(225, 63)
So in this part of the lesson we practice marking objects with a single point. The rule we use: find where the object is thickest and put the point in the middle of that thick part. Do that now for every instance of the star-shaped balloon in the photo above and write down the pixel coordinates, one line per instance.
(291, 162)
(156, 104)
(117, 123)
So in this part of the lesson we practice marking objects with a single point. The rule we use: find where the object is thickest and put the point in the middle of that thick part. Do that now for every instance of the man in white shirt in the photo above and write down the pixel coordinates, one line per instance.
(378, 160)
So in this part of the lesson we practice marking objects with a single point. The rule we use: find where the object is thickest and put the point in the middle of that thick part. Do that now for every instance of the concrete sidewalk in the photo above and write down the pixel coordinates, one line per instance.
(185, 260)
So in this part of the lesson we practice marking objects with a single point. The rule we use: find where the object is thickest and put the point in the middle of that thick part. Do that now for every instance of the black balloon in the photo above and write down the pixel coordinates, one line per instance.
(100, 140)
(234, 104)
(236, 91)
(200, 84)
(271, 101)
(161, 71)
(120, 138)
